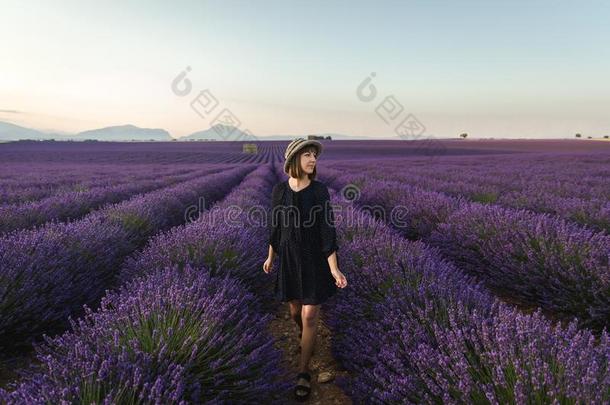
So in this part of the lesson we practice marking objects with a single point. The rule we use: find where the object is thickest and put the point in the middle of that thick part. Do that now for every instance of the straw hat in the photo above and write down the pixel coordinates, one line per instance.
(297, 145)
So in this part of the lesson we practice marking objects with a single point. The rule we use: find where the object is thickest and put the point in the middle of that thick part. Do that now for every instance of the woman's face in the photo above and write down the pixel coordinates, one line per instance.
(308, 161)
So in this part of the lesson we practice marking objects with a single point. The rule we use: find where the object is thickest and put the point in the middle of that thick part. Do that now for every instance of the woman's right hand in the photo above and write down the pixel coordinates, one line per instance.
(268, 265)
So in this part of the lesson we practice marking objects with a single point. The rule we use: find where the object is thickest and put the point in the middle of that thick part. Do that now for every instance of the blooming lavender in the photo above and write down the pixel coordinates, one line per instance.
(542, 260)
(418, 323)
(412, 328)
(539, 259)
(177, 335)
(471, 357)
(49, 273)
(74, 204)
(22, 183)
(573, 187)
(151, 279)
(224, 238)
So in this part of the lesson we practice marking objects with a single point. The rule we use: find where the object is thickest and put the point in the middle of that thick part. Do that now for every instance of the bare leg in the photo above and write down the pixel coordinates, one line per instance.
(295, 313)
(310, 315)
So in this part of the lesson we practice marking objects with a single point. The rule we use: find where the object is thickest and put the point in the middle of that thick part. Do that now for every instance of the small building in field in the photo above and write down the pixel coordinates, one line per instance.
(250, 148)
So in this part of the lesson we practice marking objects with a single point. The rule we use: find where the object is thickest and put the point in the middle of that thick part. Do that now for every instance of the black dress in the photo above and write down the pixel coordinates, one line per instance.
(303, 235)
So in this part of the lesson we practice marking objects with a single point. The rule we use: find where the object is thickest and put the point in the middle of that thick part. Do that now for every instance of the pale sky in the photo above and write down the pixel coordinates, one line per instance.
(512, 69)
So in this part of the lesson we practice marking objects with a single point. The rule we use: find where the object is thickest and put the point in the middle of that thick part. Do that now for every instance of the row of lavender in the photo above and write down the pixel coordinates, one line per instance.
(572, 175)
(183, 328)
(20, 184)
(412, 328)
(535, 258)
(72, 205)
(558, 185)
(223, 238)
(16, 174)
(48, 274)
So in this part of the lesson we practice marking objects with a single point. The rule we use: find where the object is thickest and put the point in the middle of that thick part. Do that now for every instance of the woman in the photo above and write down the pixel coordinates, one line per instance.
(302, 234)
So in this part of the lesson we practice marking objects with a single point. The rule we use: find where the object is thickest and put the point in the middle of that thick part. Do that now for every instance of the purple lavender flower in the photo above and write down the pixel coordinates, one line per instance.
(177, 334)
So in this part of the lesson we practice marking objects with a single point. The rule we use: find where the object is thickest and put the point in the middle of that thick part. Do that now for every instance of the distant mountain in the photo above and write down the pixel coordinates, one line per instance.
(12, 132)
(124, 133)
(219, 132)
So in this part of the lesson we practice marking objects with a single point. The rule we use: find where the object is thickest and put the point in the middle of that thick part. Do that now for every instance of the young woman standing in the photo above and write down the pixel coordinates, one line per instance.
(302, 234)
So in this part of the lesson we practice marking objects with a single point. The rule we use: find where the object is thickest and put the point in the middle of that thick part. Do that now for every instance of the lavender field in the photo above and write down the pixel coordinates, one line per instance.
(479, 272)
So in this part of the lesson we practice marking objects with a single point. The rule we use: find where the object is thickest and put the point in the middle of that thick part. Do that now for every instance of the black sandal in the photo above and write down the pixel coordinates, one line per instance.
(300, 388)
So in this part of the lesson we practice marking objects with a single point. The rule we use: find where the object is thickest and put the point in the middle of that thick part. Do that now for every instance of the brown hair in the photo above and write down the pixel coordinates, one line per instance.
(294, 166)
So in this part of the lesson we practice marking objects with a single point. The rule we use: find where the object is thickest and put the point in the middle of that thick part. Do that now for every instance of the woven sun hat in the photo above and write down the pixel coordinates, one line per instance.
(296, 145)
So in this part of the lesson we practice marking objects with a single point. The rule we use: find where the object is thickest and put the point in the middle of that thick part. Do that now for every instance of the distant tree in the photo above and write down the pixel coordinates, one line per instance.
(464, 135)
(605, 136)
(328, 137)
(589, 137)
(578, 135)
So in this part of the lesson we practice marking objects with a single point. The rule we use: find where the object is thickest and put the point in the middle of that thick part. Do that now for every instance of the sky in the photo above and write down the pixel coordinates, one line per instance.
(517, 69)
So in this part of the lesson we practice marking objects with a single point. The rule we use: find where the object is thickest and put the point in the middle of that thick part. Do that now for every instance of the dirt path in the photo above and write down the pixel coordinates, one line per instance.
(286, 333)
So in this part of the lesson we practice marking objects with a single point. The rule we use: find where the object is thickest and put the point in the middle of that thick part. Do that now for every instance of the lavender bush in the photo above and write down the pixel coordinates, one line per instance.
(50, 273)
(32, 182)
(573, 187)
(223, 239)
(470, 357)
(75, 204)
(536, 258)
(544, 261)
(174, 336)
(414, 329)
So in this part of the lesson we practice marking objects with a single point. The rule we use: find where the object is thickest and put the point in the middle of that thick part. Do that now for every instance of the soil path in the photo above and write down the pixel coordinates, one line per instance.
(286, 333)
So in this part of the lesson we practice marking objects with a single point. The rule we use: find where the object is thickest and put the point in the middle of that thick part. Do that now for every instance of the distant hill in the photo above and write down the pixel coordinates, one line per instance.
(125, 133)
(219, 132)
(12, 132)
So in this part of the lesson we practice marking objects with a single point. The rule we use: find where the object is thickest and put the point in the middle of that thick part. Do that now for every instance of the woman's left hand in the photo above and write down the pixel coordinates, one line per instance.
(340, 279)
